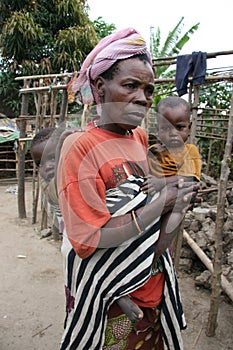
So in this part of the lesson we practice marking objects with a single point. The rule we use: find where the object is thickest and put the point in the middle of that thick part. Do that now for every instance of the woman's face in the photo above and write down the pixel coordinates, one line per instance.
(128, 96)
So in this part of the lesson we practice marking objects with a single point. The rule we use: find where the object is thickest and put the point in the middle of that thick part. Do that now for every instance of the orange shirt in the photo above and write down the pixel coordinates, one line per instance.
(150, 294)
(91, 163)
(184, 162)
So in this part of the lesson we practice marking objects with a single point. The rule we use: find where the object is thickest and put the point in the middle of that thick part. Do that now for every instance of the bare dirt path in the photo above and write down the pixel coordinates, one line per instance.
(31, 291)
(32, 295)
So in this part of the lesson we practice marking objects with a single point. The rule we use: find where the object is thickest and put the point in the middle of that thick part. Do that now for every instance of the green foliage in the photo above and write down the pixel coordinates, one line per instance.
(38, 33)
(217, 153)
(215, 96)
(72, 45)
(102, 28)
(42, 37)
(10, 87)
(8, 7)
(19, 35)
(172, 46)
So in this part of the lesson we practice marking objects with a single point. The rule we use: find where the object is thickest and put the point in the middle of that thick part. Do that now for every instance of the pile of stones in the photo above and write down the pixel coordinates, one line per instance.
(200, 225)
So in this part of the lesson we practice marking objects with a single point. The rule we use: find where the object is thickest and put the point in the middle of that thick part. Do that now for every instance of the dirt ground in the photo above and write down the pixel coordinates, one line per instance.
(32, 294)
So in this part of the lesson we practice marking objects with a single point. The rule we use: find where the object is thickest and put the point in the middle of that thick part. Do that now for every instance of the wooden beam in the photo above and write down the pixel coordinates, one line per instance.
(44, 76)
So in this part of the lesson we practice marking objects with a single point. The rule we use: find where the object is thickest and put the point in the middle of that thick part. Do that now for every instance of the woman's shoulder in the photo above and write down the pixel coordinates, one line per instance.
(140, 130)
(140, 133)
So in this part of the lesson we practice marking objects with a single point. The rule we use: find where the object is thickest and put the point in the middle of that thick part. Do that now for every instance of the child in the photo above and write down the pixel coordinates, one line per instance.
(173, 156)
(38, 144)
(167, 160)
(43, 147)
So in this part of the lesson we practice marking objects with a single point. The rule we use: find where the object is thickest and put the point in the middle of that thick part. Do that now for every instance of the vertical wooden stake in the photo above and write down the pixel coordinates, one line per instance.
(21, 157)
(217, 264)
(194, 115)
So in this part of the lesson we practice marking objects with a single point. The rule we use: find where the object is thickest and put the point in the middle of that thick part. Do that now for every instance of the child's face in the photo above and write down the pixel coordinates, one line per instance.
(174, 126)
(47, 163)
(37, 152)
(43, 155)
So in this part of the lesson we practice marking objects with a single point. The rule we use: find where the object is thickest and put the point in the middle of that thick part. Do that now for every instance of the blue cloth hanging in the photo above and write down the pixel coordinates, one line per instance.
(186, 65)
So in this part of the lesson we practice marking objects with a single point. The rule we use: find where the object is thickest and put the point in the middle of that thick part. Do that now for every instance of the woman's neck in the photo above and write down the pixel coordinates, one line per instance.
(113, 128)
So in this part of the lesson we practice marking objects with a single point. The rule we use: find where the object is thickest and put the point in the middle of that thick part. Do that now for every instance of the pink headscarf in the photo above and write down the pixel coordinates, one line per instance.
(118, 46)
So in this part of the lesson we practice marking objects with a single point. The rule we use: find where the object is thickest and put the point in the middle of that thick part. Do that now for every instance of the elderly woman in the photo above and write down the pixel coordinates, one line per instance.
(111, 226)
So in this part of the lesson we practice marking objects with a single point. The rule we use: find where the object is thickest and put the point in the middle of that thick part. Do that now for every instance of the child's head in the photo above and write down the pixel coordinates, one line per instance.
(173, 121)
(43, 152)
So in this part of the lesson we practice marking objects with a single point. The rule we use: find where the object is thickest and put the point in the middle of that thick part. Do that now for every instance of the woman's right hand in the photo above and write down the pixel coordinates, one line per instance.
(180, 196)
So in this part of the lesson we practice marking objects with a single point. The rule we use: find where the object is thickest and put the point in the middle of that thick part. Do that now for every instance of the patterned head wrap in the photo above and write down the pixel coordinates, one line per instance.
(118, 46)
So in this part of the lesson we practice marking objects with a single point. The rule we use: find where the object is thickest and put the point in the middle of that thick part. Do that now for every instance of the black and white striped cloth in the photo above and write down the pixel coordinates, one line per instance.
(107, 274)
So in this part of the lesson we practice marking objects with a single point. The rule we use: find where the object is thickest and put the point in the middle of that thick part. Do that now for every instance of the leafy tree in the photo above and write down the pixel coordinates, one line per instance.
(102, 28)
(43, 37)
(58, 30)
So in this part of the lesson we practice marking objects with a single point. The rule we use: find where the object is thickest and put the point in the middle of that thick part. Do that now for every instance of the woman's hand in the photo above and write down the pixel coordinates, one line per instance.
(180, 196)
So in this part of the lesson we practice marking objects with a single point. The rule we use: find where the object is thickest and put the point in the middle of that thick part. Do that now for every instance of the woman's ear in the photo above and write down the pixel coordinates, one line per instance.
(100, 86)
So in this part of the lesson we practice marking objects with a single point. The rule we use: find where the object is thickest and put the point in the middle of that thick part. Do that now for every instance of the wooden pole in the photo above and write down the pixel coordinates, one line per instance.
(226, 286)
(222, 186)
(35, 194)
(64, 106)
(194, 115)
(209, 157)
(21, 158)
(53, 107)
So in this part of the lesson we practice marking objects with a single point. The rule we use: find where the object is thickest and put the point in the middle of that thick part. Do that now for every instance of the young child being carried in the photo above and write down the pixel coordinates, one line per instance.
(170, 158)
(43, 148)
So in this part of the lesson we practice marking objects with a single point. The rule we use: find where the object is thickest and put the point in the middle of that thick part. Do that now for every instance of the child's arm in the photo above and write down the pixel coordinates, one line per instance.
(132, 310)
(153, 184)
(170, 226)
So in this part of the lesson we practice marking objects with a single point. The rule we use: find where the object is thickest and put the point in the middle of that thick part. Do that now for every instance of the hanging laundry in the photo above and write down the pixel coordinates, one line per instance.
(186, 65)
